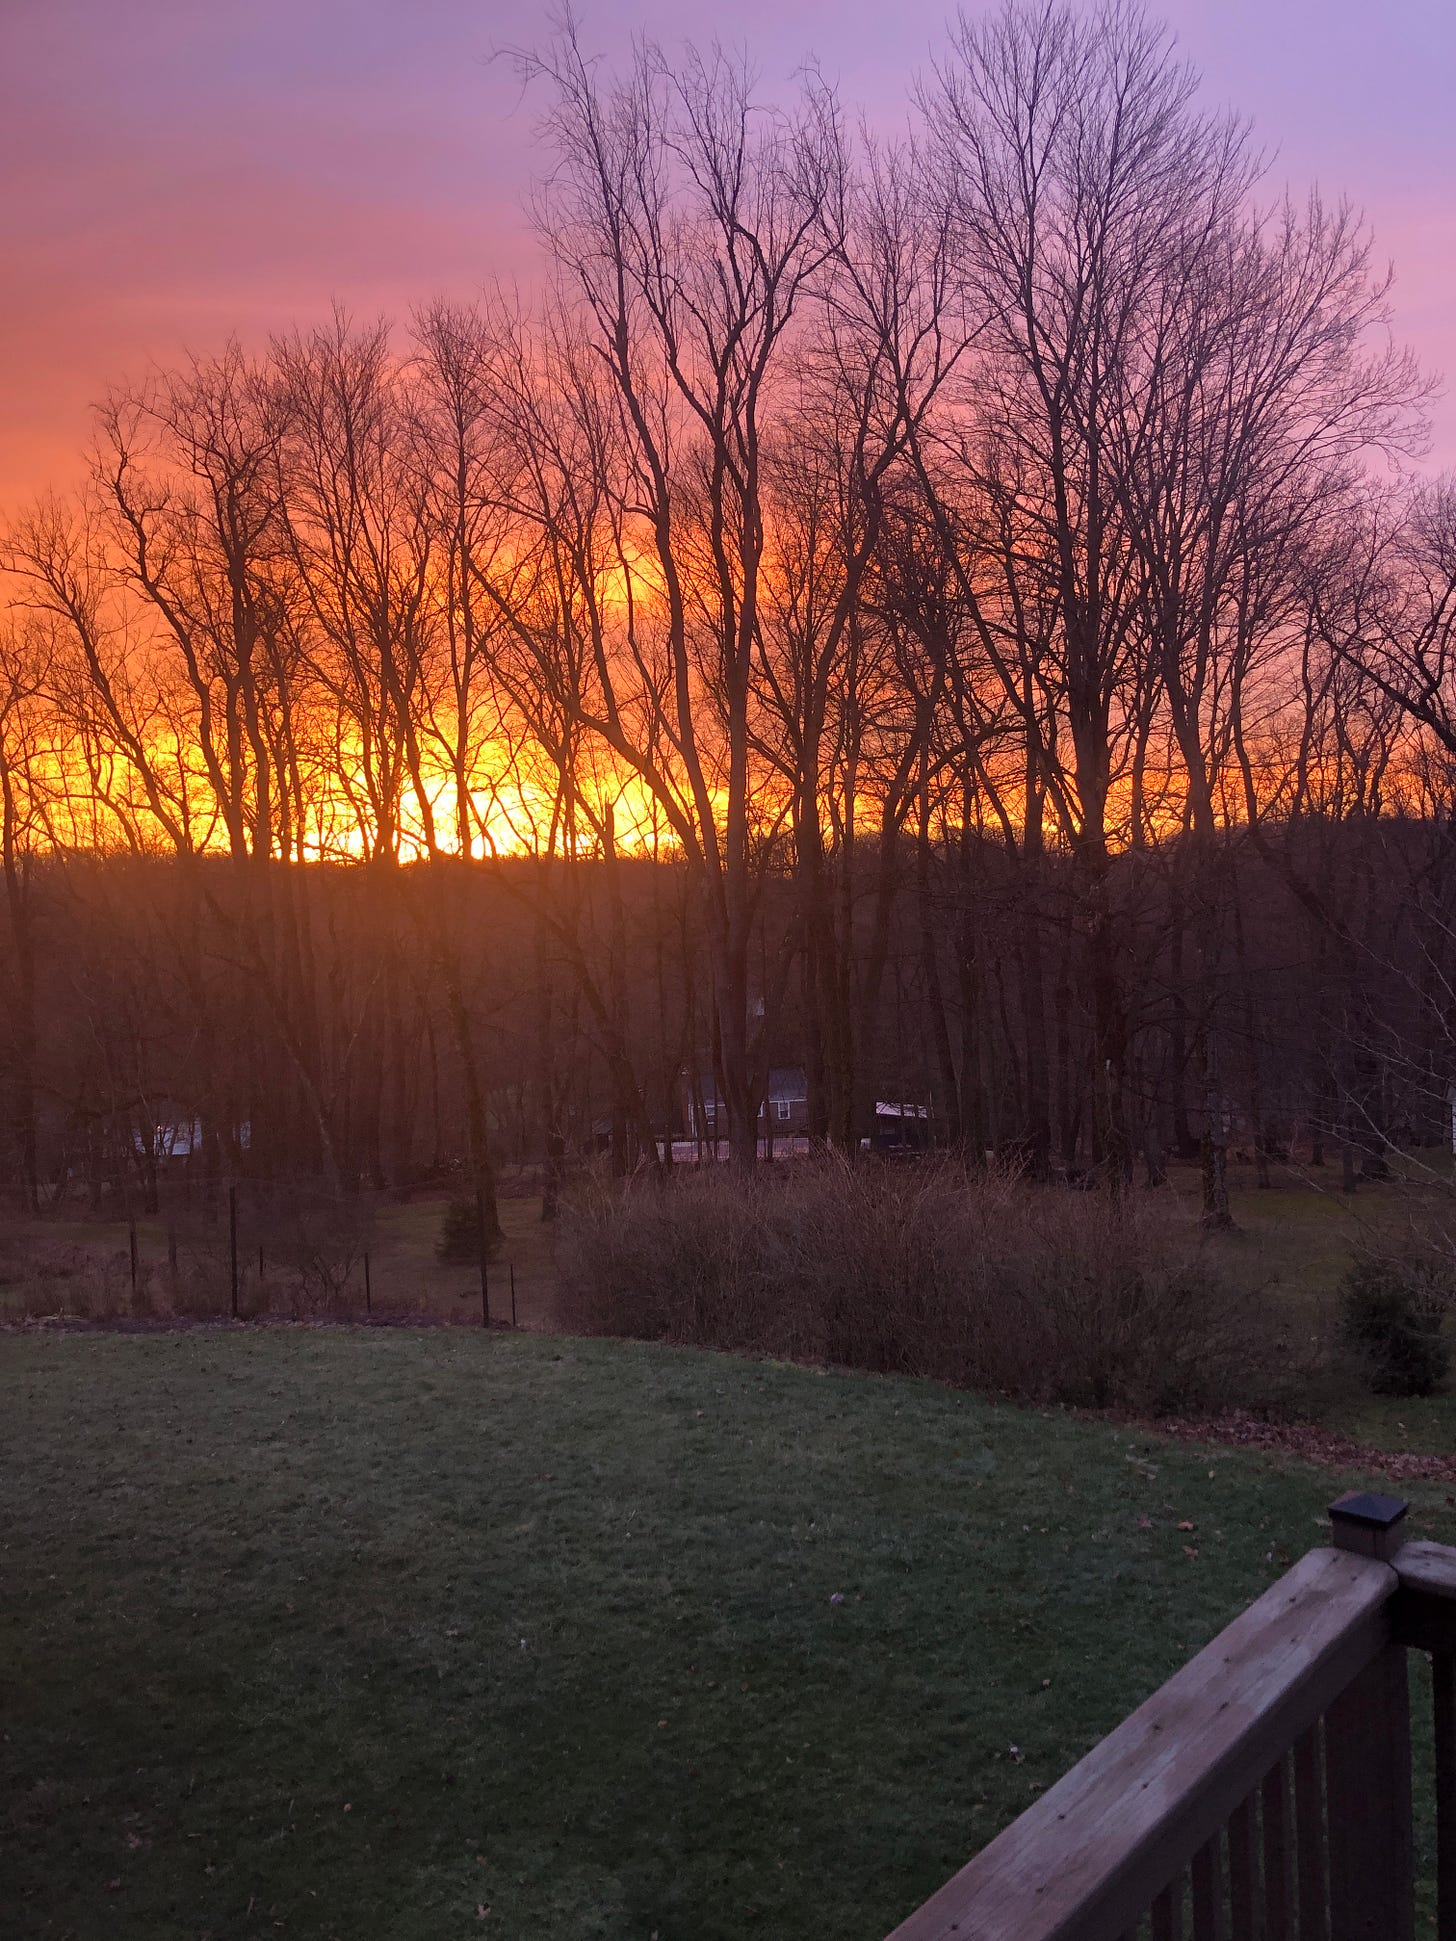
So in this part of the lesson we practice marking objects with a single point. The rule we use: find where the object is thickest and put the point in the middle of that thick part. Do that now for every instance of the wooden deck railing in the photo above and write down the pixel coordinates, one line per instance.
(1264, 1793)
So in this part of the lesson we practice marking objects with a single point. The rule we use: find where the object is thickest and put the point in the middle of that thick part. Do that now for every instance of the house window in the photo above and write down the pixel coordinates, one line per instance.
(785, 1109)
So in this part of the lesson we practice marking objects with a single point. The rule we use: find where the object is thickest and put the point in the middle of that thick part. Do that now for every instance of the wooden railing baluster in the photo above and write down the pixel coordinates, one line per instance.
(1168, 1913)
(1208, 1892)
(1309, 1837)
(1278, 1871)
(1243, 1873)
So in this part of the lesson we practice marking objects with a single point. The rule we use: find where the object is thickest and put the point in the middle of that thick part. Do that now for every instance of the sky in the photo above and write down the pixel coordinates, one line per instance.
(173, 171)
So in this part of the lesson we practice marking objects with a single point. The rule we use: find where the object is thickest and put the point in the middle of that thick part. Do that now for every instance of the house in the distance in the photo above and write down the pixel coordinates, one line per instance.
(783, 1113)
(900, 1126)
(169, 1135)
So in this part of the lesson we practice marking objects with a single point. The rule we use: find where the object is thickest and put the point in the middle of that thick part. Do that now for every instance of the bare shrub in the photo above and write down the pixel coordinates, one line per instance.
(1041, 1295)
(316, 1241)
(49, 1276)
(300, 1256)
(300, 1253)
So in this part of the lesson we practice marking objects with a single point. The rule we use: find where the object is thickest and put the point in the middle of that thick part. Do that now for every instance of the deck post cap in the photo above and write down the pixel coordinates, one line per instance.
(1368, 1524)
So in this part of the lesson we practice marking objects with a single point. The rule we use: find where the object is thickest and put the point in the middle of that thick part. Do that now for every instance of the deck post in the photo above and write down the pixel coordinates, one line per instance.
(1368, 1760)
(1426, 1621)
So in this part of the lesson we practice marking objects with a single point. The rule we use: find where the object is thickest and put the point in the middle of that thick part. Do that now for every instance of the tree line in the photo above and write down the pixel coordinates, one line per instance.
(958, 612)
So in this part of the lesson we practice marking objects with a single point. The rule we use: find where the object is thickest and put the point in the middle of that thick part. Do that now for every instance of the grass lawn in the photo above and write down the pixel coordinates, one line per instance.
(433, 1634)
(1301, 1233)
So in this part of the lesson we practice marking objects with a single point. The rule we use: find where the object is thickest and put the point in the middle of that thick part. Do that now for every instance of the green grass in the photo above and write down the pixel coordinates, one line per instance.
(1419, 1425)
(357, 1634)
(1298, 1238)
(1301, 1233)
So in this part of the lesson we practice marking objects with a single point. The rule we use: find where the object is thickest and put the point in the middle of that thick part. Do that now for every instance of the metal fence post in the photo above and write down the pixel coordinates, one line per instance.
(233, 1245)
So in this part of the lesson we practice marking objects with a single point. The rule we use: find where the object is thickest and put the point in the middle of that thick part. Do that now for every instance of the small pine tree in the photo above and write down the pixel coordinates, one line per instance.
(459, 1242)
(1391, 1315)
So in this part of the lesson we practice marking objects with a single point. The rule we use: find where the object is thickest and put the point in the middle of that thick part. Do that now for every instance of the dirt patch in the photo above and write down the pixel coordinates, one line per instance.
(1307, 1442)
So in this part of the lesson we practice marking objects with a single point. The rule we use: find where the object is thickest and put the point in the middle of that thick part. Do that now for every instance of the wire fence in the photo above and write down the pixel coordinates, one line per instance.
(258, 1249)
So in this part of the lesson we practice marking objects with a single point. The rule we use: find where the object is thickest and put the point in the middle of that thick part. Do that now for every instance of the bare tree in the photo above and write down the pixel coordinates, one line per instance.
(689, 226)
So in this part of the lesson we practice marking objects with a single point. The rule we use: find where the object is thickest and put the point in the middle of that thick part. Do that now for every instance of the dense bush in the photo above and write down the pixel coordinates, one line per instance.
(1029, 1292)
(1391, 1315)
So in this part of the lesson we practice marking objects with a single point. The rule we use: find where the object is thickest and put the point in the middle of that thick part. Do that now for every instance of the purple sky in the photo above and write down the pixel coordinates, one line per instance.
(171, 170)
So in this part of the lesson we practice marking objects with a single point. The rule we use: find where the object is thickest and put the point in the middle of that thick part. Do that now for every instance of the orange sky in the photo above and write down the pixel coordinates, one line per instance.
(171, 170)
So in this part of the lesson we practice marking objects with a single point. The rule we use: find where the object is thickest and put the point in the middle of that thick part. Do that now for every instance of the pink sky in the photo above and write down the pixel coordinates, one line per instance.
(172, 170)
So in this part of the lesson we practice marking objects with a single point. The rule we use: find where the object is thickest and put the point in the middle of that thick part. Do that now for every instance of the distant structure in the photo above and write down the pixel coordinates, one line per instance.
(784, 1111)
(900, 1125)
(171, 1136)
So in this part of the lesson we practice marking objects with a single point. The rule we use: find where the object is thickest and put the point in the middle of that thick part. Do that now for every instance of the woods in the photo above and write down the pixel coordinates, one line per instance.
(960, 614)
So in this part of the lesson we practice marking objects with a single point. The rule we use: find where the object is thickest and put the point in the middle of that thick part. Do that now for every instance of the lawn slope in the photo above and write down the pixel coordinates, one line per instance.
(409, 1635)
